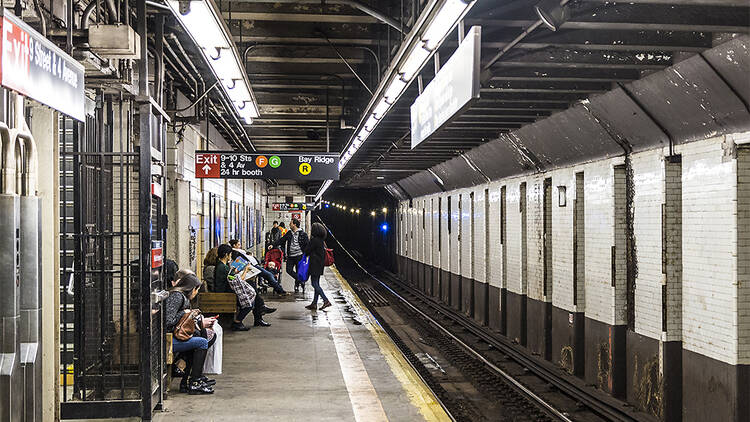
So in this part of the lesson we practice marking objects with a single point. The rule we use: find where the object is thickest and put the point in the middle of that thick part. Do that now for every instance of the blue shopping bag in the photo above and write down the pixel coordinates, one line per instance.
(303, 268)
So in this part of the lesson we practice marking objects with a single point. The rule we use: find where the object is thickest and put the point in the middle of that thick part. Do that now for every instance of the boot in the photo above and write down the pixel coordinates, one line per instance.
(325, 305)
(311, 307)
(184, 384)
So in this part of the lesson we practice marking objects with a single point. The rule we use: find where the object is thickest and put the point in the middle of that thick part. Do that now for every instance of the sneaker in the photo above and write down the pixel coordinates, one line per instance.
(199, 387)
(311, 307)
(208, 381)
(325, 305)
(238, 326)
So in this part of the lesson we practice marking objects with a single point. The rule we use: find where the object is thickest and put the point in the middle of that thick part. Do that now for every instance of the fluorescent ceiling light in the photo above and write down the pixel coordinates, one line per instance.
(371, 123)
(206, 27)
(395, 89)
(414, 62)
(381, 109)
(443, 23)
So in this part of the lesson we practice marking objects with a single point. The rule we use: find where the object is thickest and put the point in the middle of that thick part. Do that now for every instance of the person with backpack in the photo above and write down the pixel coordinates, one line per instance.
(295, 241)
(316, 251)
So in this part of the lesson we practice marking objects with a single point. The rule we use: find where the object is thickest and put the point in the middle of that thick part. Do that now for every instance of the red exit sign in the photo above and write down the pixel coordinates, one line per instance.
(207, 165)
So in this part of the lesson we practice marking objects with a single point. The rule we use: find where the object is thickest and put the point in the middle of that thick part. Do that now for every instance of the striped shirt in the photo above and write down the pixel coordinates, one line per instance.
(294, 248)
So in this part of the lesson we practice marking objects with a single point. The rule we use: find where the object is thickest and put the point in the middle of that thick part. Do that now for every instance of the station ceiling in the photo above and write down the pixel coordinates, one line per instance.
(313, 65)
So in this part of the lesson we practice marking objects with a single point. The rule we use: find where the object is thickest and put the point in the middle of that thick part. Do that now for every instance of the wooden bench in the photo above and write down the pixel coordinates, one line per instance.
(216, 303)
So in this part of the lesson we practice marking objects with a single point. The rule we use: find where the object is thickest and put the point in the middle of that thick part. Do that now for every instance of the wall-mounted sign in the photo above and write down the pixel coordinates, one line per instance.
(33, 66)
(286, 206)
(454, 88)
(240, 165)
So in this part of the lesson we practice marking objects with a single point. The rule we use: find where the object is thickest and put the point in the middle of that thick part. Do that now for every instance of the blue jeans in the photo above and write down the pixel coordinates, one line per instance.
(315, 281)
(268, 276)
(179, 346)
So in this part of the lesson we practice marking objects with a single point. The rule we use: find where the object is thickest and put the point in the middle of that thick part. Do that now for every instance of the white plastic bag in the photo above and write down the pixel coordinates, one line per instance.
(213, 357)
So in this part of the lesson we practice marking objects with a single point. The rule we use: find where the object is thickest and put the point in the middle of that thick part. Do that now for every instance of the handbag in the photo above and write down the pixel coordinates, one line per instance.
(328, 261)
(303, 268)
(185, 328)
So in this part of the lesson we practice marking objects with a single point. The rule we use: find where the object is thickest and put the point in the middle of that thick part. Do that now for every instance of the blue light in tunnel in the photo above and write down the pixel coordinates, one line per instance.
(384, 227)
(326, 205)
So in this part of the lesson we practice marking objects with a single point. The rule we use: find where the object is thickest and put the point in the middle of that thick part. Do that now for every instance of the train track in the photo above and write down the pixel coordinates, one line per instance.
(525, 388)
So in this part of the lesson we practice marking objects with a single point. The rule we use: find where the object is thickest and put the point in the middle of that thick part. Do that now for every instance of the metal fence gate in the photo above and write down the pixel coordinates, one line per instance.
(111, 354)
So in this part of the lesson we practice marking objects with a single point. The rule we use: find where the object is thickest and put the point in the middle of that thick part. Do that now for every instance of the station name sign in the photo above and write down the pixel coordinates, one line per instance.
(454, 88)
(33, 66)
(240, 165)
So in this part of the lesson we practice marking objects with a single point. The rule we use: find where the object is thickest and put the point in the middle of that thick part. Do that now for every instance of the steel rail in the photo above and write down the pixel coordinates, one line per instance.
(520, 387)
(572, 390)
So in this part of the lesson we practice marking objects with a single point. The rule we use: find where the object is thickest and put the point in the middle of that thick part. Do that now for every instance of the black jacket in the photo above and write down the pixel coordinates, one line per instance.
(286, 240)
(317, 253)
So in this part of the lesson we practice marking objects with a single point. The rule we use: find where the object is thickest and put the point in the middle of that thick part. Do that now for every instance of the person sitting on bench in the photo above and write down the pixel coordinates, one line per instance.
(247, 299)
(195, 348)
(264, 273)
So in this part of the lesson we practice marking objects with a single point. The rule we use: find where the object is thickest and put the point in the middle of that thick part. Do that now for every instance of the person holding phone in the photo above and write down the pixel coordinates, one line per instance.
(194, 349)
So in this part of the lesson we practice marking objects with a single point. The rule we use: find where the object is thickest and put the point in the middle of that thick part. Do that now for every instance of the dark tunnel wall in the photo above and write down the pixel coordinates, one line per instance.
(362, 232)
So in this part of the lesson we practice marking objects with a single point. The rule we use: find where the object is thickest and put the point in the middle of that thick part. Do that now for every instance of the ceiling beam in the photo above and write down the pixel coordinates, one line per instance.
(627, 26)
(299, 17)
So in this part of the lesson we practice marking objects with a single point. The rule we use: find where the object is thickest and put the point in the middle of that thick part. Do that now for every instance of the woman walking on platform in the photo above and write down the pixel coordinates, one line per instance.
(316, 251)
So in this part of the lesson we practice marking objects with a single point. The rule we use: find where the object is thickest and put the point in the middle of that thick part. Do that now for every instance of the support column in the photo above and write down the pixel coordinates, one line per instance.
(44, 127)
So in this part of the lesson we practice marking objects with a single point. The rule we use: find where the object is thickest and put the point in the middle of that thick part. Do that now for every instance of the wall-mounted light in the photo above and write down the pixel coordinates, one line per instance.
(373, 213)
(552, 13)
(385, 210)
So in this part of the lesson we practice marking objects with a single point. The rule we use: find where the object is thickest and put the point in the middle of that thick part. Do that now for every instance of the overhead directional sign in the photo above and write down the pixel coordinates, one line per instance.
(240, 165)
(451, 91)
(288, 206)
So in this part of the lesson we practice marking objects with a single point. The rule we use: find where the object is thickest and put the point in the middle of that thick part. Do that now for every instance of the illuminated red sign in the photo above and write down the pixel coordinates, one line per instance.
(157, 257)
(33, 66)
(207, 165)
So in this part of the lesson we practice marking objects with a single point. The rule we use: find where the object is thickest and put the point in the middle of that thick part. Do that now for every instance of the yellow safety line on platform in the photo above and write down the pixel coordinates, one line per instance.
(418, 392)
(366, 404)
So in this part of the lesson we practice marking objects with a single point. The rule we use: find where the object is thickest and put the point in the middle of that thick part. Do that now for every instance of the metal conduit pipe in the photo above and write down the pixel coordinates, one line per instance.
(382, 17)
(113, 15)
(179, 47)
(8, 163)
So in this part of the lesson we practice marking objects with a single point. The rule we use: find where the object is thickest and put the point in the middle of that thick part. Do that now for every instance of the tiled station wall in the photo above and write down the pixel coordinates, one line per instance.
(239, 206)
(692, 201)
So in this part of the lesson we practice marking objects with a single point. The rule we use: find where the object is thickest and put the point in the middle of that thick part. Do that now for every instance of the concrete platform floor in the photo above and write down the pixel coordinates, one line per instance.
(332, 365)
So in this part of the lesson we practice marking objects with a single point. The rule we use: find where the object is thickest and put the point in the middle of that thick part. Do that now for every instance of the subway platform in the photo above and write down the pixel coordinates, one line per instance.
(332, 365)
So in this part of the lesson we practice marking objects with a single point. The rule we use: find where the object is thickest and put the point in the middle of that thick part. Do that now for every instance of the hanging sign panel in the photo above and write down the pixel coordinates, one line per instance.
(33, 66)
(454, 88)
(288, 206)
(240, 165)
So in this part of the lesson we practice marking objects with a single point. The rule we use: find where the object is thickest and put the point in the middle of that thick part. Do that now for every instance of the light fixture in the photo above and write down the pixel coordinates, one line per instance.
(373, 213)
(443, 23)
(202, 20)
(385, 210)
(412, 56)
(357, 211)
(552, 13)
